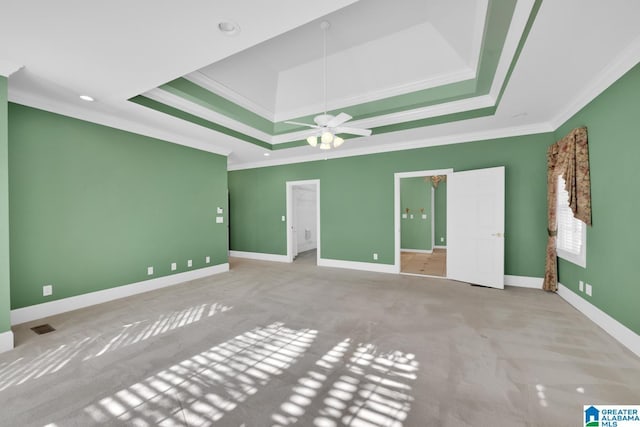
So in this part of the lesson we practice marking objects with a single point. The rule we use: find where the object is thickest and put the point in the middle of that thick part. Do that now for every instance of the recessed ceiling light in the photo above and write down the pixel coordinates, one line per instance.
(267, 154)
(229, 28)
(87, 98)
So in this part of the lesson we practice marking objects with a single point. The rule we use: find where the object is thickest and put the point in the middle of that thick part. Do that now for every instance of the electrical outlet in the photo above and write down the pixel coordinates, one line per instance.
(190, 263)
(283, 218)
(174, 266)
(207, 259)
(442, 240)
(47, 290)
(581, 285)
(411, 216)
(149, 271)
(589, 289)
(424, 216)
(375, 257)
(219, 219)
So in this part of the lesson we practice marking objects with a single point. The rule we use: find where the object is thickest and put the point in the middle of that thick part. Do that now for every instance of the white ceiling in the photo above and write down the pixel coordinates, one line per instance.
(118, 49)
(372, 54)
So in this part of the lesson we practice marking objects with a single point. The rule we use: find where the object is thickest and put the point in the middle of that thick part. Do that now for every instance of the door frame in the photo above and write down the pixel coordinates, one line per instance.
(290, 216)
(396, 205)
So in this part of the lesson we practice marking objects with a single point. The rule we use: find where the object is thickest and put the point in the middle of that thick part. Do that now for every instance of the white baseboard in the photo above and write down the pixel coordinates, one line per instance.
(259, 256)
(418, 251)
(354, 265)
(39, 311)
(6, 341)
(617, 330)
(523, 281)
(439, 247)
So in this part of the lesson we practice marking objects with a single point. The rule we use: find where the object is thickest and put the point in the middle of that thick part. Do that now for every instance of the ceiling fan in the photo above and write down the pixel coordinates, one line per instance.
(327, 127)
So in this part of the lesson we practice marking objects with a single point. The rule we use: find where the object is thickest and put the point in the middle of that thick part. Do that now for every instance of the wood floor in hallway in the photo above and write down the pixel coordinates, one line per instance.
(429, 264)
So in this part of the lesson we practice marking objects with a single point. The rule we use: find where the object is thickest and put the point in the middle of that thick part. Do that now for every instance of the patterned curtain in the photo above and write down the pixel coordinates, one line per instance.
(568, 158)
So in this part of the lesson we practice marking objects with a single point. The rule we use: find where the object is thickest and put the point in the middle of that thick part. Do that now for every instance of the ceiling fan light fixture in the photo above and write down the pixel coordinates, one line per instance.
(326, 125)
(327, 137)
(312, 140)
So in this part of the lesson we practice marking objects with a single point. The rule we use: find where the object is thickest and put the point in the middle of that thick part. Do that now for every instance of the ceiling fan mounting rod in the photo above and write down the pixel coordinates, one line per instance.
(324, 25)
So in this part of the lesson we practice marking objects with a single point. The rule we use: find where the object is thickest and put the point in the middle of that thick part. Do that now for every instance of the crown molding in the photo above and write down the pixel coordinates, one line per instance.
(7, 68)
(202, 80)
(183, 104)
(516, 29)
(218, 88)
(404, 116)
(415, 142)
(336, 104)
(480, 22)
(110, 120)
(625, 61)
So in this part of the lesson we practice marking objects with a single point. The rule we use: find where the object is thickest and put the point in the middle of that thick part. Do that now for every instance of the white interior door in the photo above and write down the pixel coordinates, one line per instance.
(475, 227)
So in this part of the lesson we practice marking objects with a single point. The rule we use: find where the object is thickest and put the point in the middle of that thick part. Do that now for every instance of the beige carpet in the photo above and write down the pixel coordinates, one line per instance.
(434, 264)
(273, 344)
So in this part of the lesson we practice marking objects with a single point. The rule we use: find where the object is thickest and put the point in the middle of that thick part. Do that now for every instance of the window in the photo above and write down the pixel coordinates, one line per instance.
(571, 242)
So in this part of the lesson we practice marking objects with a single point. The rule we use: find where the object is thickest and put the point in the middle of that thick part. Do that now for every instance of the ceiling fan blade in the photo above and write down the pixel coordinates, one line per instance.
(353, 131)
(304, 124)
(338, 120)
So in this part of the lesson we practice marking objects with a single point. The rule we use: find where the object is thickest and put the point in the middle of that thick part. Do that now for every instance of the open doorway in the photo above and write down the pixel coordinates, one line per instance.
(422, 222)
(303, 221)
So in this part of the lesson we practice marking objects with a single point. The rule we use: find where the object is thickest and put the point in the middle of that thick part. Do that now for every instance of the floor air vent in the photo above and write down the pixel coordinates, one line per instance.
(43, 329)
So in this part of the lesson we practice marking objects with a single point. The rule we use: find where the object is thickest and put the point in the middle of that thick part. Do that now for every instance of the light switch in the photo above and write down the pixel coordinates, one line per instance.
(424, 216)
(404, 216)
(411, 217)
(219, 220)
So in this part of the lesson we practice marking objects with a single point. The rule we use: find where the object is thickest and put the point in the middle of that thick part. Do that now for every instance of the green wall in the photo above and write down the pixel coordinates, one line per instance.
(5, 321)
(92, 207)
(612, 242)
(440, 214)
(415, 232)
(356, 196)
